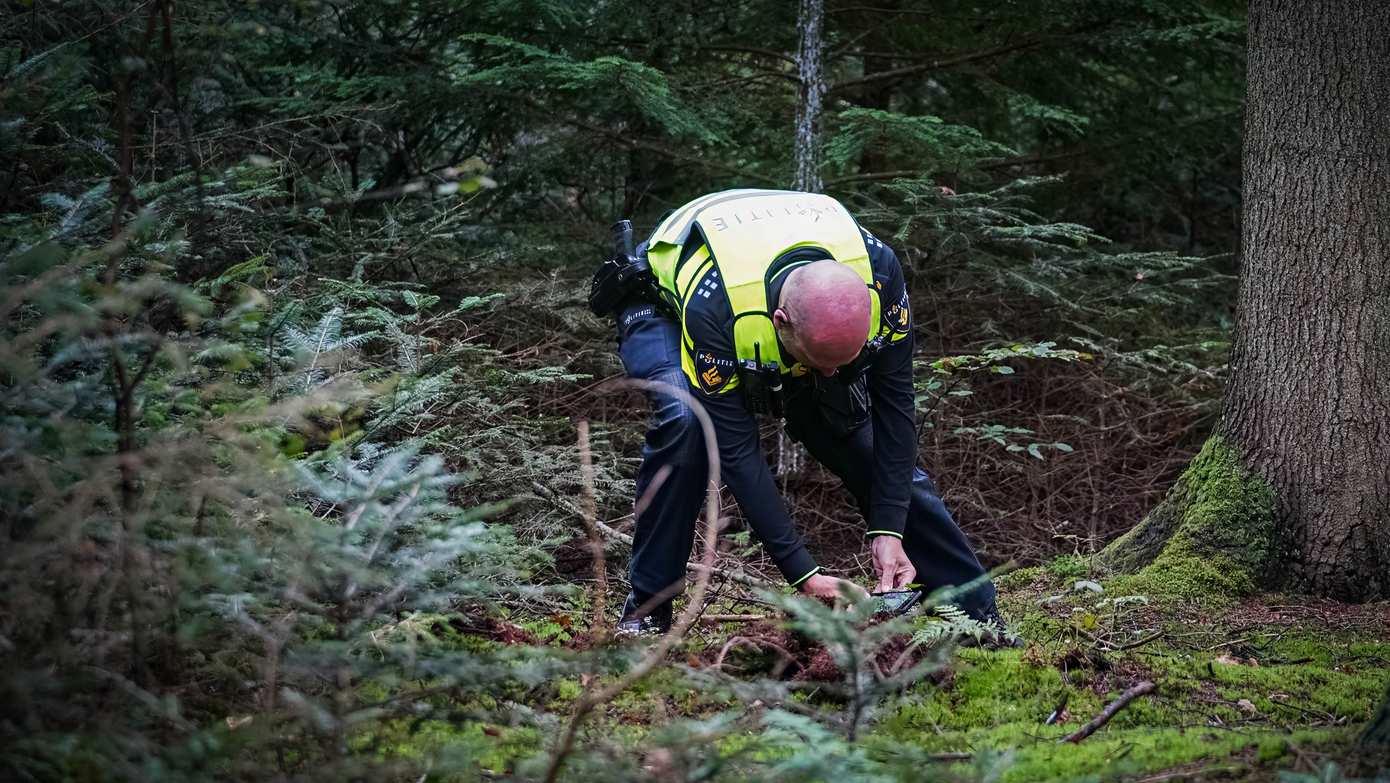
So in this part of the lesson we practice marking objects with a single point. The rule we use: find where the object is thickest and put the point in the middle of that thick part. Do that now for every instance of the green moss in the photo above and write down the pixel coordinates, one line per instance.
(1069, 567)
(999, 700)
(1296, 693)
(1122, 754)
(1019, 579)
(1213, 534)
(988, 689)
(466, 747)
(567, 689)
(1243, 707)
(676, 694)
(1182, 573)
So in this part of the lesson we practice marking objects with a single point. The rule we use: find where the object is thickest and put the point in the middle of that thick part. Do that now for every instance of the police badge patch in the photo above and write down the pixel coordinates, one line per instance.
(897, 318)
(714, 372)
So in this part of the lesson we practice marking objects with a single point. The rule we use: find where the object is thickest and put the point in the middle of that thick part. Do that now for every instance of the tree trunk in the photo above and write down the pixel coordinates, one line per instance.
(1308, 403)
(811, 68)
(1295, 489)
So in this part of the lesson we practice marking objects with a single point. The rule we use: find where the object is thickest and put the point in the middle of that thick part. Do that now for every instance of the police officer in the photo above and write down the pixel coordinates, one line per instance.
(765, 301)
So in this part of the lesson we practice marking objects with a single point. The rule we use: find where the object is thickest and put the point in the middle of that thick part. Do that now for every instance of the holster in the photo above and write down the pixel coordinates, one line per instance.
(762, 388)
(843, 407)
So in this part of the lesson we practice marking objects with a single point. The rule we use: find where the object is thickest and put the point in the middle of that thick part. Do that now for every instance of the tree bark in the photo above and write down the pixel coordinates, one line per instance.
(811, 69)
(1308, 403)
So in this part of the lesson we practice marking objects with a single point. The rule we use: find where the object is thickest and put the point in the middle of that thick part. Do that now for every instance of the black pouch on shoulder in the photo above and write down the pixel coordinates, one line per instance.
(623, 278)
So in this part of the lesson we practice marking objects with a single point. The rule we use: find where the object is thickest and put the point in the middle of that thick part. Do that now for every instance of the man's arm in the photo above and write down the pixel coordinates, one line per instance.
(741, 462)
(743, 468)
(893, 420)
(891, 395)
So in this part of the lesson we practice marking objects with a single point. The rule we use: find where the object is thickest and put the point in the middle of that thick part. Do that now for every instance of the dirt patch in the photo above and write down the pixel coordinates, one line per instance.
(1119, 676)
(763, 648)
(1078, 658)
(493, 629)
(1309, 612)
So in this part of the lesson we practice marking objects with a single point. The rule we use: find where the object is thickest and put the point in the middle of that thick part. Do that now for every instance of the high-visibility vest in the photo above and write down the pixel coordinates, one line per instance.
(744, 232)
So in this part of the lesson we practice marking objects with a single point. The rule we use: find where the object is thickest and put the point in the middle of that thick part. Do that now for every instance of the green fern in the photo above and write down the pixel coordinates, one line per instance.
(951, 624)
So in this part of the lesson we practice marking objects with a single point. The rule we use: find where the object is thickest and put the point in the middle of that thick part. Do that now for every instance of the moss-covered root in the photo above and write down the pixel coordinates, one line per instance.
(1213, 534)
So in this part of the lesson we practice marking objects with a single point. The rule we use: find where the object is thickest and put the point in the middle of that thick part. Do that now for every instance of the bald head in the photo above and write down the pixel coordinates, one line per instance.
(822, 314)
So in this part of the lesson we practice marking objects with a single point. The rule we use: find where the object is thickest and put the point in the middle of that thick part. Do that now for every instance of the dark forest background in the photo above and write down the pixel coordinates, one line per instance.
(295, 340)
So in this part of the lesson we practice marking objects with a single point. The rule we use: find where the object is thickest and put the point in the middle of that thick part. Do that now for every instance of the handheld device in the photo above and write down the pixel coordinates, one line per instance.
(896, 602)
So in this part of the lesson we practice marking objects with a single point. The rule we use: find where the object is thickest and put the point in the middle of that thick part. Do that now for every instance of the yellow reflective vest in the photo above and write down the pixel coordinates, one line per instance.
(742, 233)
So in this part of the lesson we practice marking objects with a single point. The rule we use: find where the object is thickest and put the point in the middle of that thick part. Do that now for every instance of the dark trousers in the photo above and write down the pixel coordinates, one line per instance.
(674, 456)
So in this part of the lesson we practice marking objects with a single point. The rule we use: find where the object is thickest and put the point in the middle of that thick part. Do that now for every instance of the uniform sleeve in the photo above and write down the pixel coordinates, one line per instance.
(891, 397)
(741, 462)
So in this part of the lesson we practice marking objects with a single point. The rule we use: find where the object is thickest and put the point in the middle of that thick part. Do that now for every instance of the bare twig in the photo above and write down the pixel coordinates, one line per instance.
(735, 576)
(609, 532)
(657, 653)
(598, 624)
(732, 618)
(1140, 643)
(1110, 711)
(1228, 643)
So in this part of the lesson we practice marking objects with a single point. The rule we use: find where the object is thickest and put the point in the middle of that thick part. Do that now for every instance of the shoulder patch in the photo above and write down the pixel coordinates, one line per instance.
(714, 371)
(897, 317)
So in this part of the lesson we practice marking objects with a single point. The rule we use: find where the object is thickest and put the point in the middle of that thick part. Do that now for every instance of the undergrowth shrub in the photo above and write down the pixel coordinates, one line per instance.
(211, 567)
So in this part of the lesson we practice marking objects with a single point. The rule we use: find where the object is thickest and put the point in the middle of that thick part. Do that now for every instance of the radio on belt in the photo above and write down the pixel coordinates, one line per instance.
(762, 384)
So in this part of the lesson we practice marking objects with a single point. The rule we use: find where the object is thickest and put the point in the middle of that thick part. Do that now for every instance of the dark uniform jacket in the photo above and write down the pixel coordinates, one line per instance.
(886, 376)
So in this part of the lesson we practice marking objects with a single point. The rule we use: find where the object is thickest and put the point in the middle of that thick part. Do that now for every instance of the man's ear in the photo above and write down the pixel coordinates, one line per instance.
(780, 319)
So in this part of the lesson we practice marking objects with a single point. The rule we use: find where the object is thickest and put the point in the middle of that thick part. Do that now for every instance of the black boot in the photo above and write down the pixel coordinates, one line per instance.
(999, 636)
(655, 622)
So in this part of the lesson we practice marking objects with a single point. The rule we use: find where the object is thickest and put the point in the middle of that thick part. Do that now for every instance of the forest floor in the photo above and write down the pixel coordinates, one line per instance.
(1244, 689)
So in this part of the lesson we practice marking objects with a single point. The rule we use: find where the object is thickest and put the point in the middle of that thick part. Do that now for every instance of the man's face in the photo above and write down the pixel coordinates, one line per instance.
(822, 315)
(822, 359)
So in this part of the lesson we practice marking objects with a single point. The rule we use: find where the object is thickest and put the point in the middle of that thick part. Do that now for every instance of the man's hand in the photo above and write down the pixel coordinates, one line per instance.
(894, 570)
(828, 587)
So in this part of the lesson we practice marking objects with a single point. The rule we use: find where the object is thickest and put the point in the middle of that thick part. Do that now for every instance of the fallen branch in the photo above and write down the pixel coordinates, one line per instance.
(1109, 712)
